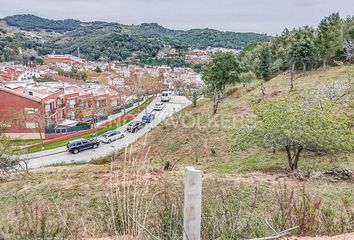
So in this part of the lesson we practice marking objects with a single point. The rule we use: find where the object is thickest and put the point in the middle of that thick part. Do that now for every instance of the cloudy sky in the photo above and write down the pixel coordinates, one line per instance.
(264, 16)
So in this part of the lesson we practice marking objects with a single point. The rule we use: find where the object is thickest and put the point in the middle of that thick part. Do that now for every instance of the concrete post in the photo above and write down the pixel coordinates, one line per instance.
(192, 204)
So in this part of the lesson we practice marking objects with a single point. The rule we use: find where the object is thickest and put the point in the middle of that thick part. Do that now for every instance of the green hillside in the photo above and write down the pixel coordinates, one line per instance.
(208, 140)
(33, 23)
(114, 41)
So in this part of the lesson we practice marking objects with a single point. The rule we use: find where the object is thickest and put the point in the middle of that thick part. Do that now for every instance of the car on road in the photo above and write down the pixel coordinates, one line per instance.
(166, 96)
(78, 145)
(148, 117)
(111, 136)
(159, 106)
(135, 126)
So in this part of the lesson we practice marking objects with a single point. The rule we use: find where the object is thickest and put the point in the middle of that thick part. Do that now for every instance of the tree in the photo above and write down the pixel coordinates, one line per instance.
(265, 62)
(296, 126)
(302, 49)
(223, 70)
(247, 77)
(250, 59)
(330, 37)
(349, 49)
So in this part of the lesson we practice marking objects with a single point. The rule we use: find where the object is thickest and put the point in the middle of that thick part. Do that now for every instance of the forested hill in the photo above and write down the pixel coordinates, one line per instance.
(112, 40)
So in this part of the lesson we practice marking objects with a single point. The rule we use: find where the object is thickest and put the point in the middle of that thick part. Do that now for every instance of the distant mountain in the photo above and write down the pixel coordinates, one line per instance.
(107, 40)
(33, 23)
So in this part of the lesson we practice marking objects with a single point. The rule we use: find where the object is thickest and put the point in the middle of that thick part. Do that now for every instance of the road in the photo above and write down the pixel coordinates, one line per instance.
(61, 156)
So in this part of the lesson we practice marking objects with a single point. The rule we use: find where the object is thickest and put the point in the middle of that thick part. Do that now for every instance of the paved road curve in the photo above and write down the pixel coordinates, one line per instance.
(60, 155)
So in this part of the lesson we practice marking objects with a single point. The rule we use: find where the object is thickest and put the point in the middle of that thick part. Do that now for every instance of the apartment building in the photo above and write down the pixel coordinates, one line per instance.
(31, 108)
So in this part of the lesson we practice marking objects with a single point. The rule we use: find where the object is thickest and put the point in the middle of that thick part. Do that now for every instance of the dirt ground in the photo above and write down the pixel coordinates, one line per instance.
(349, 236)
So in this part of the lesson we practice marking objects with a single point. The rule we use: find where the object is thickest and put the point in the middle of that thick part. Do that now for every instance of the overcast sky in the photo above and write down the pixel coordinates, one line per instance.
(264, 16)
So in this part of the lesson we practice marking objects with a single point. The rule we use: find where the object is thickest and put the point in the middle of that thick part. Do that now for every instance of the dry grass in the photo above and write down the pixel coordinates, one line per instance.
(86, 195)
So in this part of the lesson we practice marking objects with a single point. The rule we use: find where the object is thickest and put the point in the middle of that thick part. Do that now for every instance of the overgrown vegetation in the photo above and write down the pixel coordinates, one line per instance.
(132, 199)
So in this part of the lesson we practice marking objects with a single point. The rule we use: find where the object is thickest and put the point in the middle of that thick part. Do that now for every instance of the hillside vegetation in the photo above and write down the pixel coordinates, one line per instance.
(197, 137)
(115, 41)
(240, 187)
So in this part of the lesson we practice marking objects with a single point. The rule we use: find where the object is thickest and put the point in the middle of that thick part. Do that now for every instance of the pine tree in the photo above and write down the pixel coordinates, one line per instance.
(330, 37)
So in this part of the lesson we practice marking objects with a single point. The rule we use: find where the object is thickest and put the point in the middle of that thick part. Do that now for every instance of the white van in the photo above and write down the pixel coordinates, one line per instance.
(166, 96)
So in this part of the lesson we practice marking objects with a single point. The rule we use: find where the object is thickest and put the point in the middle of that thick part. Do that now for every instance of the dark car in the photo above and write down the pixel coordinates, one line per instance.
(79, 145)
(148, 117)
(135, 126)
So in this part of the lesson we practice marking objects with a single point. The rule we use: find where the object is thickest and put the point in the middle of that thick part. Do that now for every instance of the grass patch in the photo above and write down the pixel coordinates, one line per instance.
(24, 142)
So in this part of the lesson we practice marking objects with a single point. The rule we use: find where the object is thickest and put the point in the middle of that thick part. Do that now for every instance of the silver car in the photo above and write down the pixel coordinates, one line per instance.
(159, 106)
(111, 136)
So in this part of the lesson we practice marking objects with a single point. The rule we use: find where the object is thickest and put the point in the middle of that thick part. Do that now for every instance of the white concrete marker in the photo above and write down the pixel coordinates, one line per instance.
(192, 204)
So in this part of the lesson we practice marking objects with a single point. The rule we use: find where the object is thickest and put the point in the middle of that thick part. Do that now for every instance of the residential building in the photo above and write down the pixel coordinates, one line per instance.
(31, 108)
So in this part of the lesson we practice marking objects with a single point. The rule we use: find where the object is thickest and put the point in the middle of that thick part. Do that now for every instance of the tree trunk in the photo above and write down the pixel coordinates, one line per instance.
(304, 67)
(290, 159)
(292, 77)
(299, 148)
(94, 125)
(41, 138)
(293, 160)
(194, 99)
(324, 63)
(263, 90)
(216, 102)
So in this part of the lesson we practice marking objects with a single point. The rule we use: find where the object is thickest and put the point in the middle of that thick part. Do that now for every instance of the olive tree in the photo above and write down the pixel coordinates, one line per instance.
(297, 125)
(223, 70)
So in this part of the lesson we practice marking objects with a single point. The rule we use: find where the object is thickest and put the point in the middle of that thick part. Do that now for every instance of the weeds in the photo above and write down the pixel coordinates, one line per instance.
(310, 213)
(145, 203)
(127, 206)
(35, 220)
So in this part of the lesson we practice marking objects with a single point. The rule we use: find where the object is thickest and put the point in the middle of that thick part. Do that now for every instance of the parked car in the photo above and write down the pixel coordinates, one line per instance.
(148, 117)
(111, 136)
(79, 145)
(166, 96)
(159, 106)
(135, 126)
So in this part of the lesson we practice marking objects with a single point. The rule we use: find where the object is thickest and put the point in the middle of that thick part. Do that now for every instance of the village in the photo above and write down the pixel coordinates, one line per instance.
(47, 98)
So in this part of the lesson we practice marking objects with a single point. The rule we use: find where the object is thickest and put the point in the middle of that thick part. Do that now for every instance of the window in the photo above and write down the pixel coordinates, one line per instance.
(72, 103)
(72, 115)
(32, 125)
(31, 110)
(114, 103)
